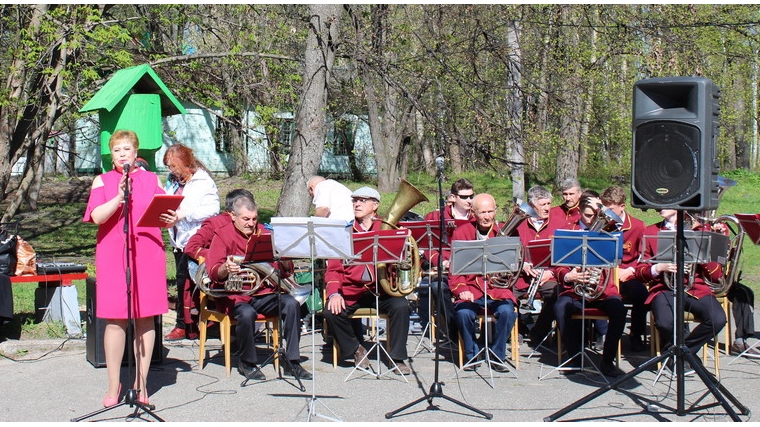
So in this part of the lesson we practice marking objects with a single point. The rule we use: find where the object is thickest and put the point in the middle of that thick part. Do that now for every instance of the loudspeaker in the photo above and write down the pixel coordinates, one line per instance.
(96, 328)
(675, 125)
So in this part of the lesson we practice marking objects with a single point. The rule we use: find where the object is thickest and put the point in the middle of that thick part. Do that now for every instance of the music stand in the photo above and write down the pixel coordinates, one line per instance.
(427, 234)
(262, 252)
(371, 248)
(313, 238)
(482, 257)
(679, 350)
(585, 248)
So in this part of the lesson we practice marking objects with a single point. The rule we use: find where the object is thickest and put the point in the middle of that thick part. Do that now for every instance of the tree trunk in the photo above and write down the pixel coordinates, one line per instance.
(515, 105)
(311, 116)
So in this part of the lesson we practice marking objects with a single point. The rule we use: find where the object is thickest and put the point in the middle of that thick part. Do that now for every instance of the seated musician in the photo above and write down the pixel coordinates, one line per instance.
(470, 291)
(540, 199)
(460, 208)
(350, 287)
(698, 299)
(609, 301)
(569, 210)
(238, 237)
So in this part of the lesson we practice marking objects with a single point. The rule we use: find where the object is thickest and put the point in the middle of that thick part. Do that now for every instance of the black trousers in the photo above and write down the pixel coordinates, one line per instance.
(398, 312)
(635, 293)
(708, 309)
(245, 314)
(547, 293)
(428, 289)
(613, 307)
(180, 260)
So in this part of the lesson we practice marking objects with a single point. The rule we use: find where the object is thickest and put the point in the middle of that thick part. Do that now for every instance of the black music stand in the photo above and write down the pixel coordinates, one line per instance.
(679, 350)
(130, 397)
(313, 238)
(427, 234)
(587, 249)
(262, 252)
(482, 257)
(371, 248)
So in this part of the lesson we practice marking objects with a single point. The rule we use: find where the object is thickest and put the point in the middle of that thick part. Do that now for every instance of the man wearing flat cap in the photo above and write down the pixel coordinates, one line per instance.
(350, 287)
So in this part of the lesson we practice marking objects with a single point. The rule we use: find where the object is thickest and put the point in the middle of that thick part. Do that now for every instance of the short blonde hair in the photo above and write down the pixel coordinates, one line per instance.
(120, 135)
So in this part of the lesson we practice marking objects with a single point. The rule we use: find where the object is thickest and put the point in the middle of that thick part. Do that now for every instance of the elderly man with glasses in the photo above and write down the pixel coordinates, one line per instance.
(350, 287)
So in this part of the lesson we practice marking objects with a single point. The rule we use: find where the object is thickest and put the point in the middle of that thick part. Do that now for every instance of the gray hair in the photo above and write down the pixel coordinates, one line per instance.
(537, 193)
(569, 183)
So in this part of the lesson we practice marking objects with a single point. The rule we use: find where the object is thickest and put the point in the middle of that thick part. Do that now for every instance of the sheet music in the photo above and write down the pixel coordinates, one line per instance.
(306, 237)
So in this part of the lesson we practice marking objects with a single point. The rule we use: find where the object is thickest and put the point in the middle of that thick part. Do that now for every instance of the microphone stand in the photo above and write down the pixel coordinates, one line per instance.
(436, 389)
(130, 398)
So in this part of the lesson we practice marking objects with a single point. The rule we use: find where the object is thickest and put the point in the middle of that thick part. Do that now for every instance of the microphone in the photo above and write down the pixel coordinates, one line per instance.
(439, 164)
(127, 167)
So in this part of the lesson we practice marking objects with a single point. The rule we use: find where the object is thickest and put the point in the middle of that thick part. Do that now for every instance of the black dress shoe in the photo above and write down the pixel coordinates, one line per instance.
(499, 368)
(610, 370)
(637, 345)
(297, 372)
(247, 370)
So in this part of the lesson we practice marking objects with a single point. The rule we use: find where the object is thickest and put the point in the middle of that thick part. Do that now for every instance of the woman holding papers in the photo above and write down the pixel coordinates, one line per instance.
(147, 277)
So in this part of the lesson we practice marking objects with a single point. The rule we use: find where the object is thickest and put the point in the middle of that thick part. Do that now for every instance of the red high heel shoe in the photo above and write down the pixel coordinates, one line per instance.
(109, 401)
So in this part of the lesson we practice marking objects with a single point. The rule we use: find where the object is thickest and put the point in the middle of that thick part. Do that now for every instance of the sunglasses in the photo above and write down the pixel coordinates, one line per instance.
(465, 196)
(361, 199)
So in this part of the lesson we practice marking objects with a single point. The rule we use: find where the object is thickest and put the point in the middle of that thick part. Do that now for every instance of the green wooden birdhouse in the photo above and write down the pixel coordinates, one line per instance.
(134, 99)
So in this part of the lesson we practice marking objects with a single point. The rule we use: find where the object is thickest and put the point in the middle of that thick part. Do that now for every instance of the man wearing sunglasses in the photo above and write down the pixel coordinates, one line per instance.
(458, 210)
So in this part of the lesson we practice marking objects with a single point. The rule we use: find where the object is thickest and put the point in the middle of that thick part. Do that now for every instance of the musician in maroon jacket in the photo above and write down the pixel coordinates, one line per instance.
(632, 289)
(608, 301)
(569, 209)
(350, 287)
(540, 199)
(471, 292)
(239, 237)
(698, 299)
(458, 211)
(198, 244)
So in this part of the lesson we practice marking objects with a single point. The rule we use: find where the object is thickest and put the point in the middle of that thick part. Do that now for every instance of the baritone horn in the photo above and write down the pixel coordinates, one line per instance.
(405, 277)
(606, 220)
(249, 280)
(520, 212)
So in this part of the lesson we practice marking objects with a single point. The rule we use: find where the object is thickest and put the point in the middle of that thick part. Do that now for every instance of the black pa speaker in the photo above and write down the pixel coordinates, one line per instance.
(675, 125)
(96, 328)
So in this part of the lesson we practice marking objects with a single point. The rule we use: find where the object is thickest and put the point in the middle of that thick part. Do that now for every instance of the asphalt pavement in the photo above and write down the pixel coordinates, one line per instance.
(52, 381)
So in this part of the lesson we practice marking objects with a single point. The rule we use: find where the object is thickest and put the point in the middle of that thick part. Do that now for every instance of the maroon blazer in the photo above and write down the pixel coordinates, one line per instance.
(475, 282)
(198, 244)
(713, 271)
(527, 232)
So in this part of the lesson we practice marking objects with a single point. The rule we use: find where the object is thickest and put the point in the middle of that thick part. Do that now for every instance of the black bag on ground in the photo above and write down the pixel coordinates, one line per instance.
(8, 258)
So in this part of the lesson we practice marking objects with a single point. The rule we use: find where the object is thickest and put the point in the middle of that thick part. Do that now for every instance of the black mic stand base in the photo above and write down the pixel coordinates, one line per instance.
(714, 386)
(436, 390)
(130, 398)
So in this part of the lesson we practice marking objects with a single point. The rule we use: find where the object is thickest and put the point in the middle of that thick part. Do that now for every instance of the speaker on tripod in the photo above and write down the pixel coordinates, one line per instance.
(675, 125)
(96, 328)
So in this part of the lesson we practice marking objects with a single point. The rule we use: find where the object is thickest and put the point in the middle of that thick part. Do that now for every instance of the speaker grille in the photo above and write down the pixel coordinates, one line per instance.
(666, 170)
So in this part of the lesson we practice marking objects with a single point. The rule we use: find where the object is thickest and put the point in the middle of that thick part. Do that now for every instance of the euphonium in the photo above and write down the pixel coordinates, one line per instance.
(249, 280)
(406, 276)
(605, 220)
(519, 213)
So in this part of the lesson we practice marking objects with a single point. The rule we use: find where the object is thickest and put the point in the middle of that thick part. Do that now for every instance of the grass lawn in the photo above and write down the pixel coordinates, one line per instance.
(57, 233)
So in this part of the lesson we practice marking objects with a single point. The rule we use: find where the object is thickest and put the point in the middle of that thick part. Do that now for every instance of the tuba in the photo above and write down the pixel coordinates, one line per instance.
(249, 280)
(404, 278)
(520, 212)
(606, 220)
